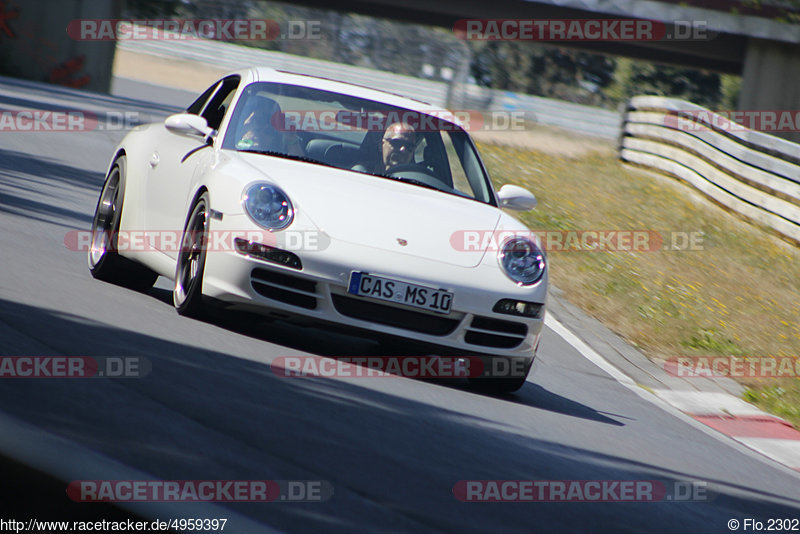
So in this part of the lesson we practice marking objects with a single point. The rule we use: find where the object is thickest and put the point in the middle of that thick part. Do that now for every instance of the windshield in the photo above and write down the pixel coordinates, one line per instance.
(357, 134)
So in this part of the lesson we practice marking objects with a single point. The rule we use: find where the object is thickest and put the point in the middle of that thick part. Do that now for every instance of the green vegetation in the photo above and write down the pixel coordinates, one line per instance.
(633, 77)
(736, 295)
(783, 401)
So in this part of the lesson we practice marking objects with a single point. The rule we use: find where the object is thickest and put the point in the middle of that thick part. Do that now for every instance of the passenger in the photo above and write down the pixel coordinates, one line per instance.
(260, 132)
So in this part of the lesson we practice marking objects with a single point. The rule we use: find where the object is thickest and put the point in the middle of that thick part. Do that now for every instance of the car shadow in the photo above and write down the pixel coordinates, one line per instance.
(328, 341)
(534, 395)
(393, 460)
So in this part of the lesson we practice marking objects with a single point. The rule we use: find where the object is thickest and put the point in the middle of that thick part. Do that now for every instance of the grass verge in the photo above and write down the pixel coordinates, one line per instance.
(734, 293)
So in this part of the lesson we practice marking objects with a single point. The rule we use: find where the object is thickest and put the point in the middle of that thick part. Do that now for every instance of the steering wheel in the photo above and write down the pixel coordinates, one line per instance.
(420, 173)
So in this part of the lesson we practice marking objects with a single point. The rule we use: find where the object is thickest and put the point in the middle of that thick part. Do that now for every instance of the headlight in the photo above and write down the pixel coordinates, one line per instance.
(522, 260)
(268, 206)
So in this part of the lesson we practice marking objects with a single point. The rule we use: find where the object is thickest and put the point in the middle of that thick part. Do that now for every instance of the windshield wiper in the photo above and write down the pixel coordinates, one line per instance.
(411, 181)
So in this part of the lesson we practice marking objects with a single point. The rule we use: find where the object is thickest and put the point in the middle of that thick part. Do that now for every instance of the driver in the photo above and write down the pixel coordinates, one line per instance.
(259, 132)
(397, 146)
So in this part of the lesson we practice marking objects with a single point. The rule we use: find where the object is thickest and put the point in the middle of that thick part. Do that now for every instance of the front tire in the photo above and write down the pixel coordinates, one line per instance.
(105, 263)
(188, 293)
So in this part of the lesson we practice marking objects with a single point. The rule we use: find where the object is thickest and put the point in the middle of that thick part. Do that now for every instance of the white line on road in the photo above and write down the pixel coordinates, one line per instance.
(593, 356)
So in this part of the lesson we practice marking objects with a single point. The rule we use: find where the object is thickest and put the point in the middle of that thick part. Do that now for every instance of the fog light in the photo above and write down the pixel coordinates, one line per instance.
(267, 253)
(519, 308)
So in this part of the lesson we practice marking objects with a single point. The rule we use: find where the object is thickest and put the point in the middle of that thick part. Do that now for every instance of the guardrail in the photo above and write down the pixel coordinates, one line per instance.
(752, 173)
(232, 57)
(587, 120)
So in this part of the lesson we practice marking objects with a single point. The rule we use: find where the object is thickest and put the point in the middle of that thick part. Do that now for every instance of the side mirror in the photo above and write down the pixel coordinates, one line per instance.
(188, 124)
(516, 198)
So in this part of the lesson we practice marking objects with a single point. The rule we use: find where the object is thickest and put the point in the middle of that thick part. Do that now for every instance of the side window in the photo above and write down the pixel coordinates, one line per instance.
(465, 167)
(197, 105)
(457, 171)
(430, 153)
(220, 102)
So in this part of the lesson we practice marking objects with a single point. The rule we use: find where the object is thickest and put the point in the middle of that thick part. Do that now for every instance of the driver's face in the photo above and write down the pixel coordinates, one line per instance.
(397, 146)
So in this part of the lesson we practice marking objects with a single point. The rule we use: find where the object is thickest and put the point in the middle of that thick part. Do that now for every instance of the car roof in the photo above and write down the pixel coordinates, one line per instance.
(268, 74)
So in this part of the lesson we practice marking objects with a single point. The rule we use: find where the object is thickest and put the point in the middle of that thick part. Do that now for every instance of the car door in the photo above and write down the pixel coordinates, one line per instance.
(176, 159)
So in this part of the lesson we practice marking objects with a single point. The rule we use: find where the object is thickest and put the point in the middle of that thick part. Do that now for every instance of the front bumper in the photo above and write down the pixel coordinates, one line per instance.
(319, 292)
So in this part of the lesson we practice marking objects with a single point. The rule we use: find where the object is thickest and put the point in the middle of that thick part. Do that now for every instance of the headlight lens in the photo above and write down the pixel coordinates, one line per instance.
(522, 260)
(268, 206)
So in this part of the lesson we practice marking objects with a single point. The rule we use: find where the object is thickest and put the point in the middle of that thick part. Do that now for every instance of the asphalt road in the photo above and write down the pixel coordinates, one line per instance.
(392, 449)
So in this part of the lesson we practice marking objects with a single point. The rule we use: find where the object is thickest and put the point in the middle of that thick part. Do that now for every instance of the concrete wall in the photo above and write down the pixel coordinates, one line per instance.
(34, 43)
(771, 79)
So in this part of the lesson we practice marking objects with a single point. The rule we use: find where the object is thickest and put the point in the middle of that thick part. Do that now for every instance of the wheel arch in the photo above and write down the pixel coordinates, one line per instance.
(117, 154)
(197, 194)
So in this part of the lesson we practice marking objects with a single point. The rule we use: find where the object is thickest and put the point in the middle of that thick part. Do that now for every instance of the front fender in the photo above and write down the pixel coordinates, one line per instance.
(137, 146)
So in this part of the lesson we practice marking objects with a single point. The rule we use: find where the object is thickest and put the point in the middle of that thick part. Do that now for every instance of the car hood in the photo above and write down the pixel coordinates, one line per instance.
(380, 213)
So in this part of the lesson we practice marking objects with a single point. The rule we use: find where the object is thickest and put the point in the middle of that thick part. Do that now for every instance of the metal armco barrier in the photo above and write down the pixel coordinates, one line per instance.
(752, 173)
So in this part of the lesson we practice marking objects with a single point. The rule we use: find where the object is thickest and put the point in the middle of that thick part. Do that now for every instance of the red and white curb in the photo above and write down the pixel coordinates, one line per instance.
(766, 436)
(765, 433)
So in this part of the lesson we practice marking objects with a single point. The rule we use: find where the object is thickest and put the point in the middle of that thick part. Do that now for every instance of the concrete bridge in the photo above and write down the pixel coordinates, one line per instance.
(753, 43)
(745, 41)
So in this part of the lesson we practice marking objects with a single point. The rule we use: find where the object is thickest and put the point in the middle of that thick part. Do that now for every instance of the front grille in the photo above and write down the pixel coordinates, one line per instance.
(373, 312)
(499, 325)
(496, 333)
(491, 340)
(284, 288)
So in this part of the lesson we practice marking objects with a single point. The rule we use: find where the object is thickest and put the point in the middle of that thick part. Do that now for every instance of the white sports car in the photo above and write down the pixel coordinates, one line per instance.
(303, 197)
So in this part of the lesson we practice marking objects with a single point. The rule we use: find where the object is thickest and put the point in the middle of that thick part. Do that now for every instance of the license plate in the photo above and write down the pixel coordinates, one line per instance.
(378, 287)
